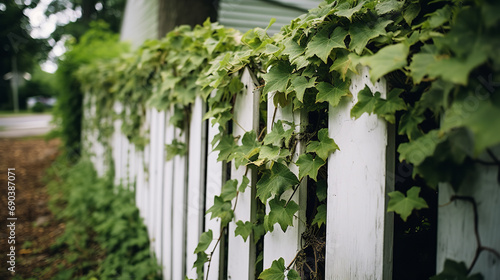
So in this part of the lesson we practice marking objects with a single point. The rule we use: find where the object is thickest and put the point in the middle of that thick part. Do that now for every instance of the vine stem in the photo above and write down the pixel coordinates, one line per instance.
(480, 247)
(222, 231)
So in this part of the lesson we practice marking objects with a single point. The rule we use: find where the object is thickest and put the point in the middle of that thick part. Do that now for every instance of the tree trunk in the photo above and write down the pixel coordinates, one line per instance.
(173, 13)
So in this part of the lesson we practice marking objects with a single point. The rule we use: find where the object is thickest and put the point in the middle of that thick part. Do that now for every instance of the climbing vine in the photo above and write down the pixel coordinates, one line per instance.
(440, 59)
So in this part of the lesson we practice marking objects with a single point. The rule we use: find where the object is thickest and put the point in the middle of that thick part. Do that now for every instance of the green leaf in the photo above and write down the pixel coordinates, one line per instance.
(386, 60)
(320, 217)
(409, 124)
(438, 17)
(299, 84)
(244, 184)
(176, 148)
(249, 147)
(411, 12)
(321, 190)
(387, 6)
(293, 275)
(273, 153)
(205, 240)
(275, 272)
(455, 271)
(309, 166)
(221, 209)
(404, 205)
(418, 150)
(342, 64)
(322, 43)
(324, 147)
(278, 76)
(278, 134)
(275, 181)
(344, 9)
(229, 190)
(366, 103)
(294, 52)
(332, 93)
(243, 229)
(201, 259)
(281, 214)
(387, 108)
(226, 147)
(361, 33)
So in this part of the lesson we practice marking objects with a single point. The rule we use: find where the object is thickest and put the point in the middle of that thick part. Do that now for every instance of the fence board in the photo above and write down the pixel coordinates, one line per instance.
(156, 181)
(356, 218)
(278, 243)
(456, 239)
(196, 183)
(179, 212)
(168, 185)
(241, 255)
(214, 181)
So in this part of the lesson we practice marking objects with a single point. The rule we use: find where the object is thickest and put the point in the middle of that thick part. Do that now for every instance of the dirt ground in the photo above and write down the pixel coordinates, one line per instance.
(35, 228)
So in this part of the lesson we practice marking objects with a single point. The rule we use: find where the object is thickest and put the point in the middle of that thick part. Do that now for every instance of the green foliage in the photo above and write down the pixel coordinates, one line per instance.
(404, 205)
(277, 271)
(456, 271)
(104, 234)
(438, 58)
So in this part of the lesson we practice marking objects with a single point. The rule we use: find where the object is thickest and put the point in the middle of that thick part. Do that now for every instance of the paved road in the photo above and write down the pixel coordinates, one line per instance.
(22, 126)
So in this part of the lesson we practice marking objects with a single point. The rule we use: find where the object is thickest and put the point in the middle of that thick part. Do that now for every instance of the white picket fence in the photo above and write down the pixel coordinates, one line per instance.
(173, 195)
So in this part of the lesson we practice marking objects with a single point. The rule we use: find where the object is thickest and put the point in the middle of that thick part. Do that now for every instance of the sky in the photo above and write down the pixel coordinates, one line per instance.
(43, 26)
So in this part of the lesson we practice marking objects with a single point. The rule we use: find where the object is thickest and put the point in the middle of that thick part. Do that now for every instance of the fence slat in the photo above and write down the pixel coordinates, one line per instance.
(196, 183)
(278, 243)
(179, 212)
(168, 186)
(456, 239)
(241, 255)
(357, 187)
(156, 181)
(214, 179)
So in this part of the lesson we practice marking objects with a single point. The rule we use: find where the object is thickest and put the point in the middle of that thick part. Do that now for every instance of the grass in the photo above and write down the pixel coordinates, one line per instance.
(21, 113)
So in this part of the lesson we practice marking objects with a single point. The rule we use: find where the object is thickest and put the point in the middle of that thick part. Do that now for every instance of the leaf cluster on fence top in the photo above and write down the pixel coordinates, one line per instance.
(440, 59)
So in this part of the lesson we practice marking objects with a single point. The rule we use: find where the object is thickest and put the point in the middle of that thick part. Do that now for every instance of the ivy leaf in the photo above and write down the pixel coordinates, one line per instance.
(344, 9)
(201, 259)
(221, 209)
(309, 166)
(387, 6)
(404, 205)
(411, 12)
(418, 150)
(244, 184)
(278, 134)
(324, 147)
(275, 272)
(299, 84)
(294, 52)
(387, 108)
(229, 190)
(281, 214)
(332, 93)
(342, 63)
(386, 60)
(273, 153)
(409, 124)
(243, 229)
(205, 240)
(226, 147)
(322, 44)
(321, 190)
(366, 103)
(278, 76)
(249, 147)
(176, 148)
(320, 217)
(455, 271)
(275, 181)
(361, 32)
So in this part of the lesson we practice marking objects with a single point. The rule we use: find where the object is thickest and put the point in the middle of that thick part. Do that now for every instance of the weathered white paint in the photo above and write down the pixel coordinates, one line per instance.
(179, 212)
(241, 255)
(279, 244)
(167, 203)
(196, 183)
(214, 181)
(156, 182)
(357, 187)
(456, 239)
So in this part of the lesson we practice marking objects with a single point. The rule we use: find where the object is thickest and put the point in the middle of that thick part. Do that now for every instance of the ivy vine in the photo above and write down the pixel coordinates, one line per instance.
(440, 58)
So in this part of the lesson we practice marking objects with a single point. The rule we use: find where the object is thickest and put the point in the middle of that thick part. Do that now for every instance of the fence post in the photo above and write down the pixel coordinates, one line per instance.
(167, 211)
(179, 211)
(456, 239)
(241, 255)
(197, 144)
(278, 243)
(359, 230)
(214, 181)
